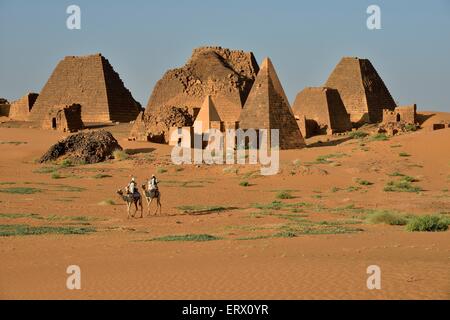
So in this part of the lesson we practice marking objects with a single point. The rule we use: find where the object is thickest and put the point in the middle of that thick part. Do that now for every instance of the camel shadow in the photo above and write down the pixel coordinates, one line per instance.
(329, 143)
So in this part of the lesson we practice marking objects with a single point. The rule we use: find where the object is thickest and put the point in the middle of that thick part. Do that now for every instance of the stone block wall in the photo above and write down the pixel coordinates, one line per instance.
(405, 114)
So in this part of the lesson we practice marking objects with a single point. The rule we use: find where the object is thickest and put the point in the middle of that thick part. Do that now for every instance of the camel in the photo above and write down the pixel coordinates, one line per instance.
(130, 199)
(149, 196)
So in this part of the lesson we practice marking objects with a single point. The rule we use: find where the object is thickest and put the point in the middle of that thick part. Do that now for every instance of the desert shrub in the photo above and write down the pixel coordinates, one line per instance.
(46, 170)
(379, 137)
(427, 223)
(161, 170)
(120, 155)
(244, 184)
(284, 195)
(364, 182)
(358, 134)
(403, 185)
(404, 154)
(396, 174)
(387, 217)
(21, 190)
(285, 234)
(56, 175)
(26, 230)
(410, 127)
(187, 237)
(66, 163)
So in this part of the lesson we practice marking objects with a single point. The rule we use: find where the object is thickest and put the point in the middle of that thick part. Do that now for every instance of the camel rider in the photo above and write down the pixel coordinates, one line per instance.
(133, 188)
(153, 183)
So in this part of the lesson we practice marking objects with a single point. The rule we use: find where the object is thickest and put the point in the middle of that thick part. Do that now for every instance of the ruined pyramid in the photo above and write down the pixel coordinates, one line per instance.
(207, 114)
(323, 110)
(362, 90)
(225, 75)
(20, 109)
(267, 107)
(91, 82)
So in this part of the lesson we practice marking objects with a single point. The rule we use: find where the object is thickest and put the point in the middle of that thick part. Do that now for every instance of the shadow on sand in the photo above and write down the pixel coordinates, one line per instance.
(421, 118)
(132, 152)
(331, 143)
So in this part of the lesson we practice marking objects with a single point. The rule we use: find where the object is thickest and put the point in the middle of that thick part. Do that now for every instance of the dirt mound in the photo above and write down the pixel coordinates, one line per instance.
(83, 147)
(155, 125)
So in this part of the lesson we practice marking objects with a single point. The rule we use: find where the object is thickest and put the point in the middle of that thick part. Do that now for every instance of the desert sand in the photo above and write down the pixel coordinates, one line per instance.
(247, 261)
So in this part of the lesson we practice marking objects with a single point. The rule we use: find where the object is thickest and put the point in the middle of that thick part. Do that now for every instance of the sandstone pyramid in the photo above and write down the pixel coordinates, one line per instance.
(324, 107)
(362, 90)
(20, 109)
(91, 82)
(207, 114)
(267, 107)
(225, 75)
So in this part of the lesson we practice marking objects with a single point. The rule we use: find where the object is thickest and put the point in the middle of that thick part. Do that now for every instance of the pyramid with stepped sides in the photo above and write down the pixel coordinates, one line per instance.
(267, 107)
(362, 90)
(208, 114)
(321, 110)
(91, 82)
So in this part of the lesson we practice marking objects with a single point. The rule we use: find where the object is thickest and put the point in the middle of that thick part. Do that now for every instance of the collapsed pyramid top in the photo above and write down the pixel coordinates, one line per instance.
(91, 82)
(267, 107)
(225, 75)
(361, 88)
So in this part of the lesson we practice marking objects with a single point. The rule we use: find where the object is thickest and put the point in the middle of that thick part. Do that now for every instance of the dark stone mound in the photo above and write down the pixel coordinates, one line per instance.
(84, 147)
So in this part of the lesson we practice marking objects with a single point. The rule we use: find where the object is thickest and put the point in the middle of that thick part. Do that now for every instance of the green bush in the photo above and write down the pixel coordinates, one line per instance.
(404, 154)
(244, 184)
(161, 170)
(284, 195)
(403, 185)
(120, 155)
(56, 175)
(188, 237)
(379, 137)
(358, 134)
(427, 224)
(20, 190)
(66, 163)
(387, 217)
(26, 230)
(364, 182)
(410, 128)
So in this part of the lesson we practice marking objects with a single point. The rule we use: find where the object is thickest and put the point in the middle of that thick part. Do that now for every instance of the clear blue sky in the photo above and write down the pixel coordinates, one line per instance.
(304, 39)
